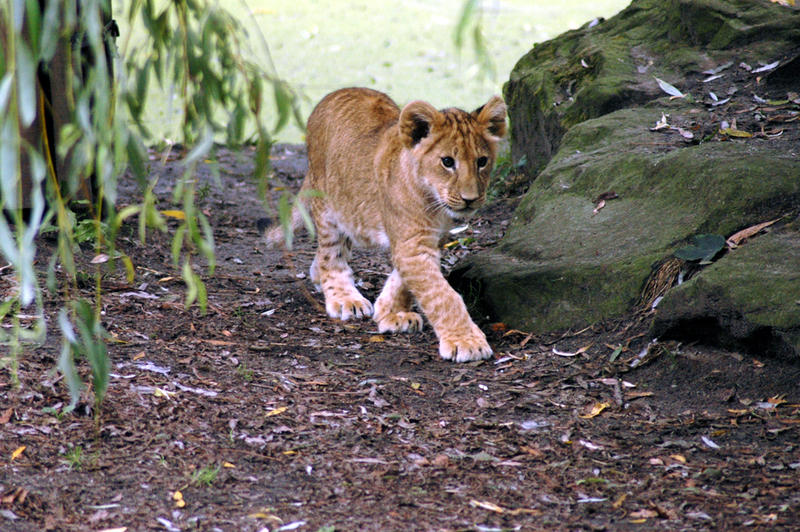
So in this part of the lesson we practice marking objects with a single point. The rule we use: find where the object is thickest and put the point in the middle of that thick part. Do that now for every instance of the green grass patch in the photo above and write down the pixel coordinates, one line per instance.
(405, 49)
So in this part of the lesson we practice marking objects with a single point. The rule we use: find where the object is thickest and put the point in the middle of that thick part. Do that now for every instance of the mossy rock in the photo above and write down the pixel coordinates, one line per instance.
(741, 301)
(562, 264)
(600, 68)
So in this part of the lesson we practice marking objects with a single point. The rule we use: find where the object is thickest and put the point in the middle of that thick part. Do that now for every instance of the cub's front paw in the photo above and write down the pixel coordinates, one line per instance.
(400, 322)
(346, 307)
(464, 347)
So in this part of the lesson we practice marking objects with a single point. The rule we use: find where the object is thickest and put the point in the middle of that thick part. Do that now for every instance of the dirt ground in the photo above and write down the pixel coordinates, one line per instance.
(264, 414)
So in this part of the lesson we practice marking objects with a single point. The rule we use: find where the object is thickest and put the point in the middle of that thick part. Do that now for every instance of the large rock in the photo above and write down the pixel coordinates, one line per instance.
(606, 66)
(749, 298)
(564, 264)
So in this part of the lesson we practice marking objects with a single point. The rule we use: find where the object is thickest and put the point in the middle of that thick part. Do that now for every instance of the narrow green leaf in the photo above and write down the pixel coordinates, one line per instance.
(9, 163)
(130, 271)
(468, 12)
(5, 91)
(202, 148)
(50, 31)
(283, 104)
(26, 84)
(177, 243)
(33, 21)
(191, 286)
(66, 362)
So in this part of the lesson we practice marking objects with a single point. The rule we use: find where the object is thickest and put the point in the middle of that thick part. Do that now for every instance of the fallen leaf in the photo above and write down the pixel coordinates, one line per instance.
(99, 259)
(766, 67)
(719, 68)
(568, 354)
(669, 89)
(735, 239)
(606, 196)
(178, 215)
(486, 505)
(19, 450)
(376, 338)
(277, 411)
(591, 446)
(661, 124)
(731, 132)
(228, 465)
(644, 514)
(264, 514)
(5, 417)
(599, 206)
(291, 526)
(595, 411)
(616, 505)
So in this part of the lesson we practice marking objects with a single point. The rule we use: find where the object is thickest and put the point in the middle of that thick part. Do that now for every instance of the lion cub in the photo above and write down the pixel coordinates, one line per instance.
(397, 179)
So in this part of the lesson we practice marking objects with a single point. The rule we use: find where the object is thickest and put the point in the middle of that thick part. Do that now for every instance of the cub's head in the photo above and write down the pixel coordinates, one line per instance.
(454, 151)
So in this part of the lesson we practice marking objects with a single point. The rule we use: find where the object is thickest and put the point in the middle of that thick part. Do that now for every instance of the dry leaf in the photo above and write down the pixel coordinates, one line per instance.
(19, 450)
(599, 206)
(661, 124)
(731, 132)
(5, 417)
(276, 411)
(644, 514)
(596, 410)
(100, 259)
(735, 239)
(619, 501)
(486, 505)
(568, 354)
(178, 215)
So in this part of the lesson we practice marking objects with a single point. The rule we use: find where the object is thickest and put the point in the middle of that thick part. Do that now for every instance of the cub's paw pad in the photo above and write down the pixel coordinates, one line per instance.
(347, 307)
(466, 347)
(400, 322)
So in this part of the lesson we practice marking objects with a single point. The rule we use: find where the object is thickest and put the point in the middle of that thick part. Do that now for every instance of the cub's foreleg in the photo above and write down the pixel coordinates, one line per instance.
(459, 338)
(393, 307)
(332, 273)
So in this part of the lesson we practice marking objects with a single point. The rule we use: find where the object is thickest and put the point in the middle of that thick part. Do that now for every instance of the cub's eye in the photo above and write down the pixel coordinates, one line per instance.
(482, 161)
(448, 162)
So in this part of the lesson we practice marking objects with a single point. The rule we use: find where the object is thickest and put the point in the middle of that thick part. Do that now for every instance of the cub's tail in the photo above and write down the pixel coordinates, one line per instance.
(276, 233)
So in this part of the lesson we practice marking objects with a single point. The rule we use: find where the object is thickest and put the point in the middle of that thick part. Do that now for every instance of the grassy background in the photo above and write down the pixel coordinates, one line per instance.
(402, 48)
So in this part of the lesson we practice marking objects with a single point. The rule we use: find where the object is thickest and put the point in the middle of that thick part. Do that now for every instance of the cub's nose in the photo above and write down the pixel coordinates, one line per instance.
(469, 201)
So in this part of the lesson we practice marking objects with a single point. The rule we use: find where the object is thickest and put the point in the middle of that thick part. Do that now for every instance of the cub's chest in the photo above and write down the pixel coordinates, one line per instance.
(363, 227)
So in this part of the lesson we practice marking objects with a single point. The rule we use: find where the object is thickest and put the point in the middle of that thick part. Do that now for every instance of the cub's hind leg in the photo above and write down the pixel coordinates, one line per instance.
(333, 275)
(393, 307)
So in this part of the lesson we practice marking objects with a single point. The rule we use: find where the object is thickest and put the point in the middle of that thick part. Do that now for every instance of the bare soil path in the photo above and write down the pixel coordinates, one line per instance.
(264, 414)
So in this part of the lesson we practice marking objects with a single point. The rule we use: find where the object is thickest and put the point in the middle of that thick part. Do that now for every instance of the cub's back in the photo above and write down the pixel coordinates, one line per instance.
(343, 134)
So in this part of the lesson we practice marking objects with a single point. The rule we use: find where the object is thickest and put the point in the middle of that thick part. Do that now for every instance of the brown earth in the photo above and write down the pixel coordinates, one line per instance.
(267, 415)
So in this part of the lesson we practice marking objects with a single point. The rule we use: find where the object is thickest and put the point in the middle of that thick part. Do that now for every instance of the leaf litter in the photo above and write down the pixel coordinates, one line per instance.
(330, 428)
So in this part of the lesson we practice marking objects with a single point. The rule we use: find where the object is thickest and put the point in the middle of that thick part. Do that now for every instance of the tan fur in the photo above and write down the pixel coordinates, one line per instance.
(384, 178)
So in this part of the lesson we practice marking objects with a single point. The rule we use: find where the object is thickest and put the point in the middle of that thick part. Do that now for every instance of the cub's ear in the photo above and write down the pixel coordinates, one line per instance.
(416, 120)
(493, 115)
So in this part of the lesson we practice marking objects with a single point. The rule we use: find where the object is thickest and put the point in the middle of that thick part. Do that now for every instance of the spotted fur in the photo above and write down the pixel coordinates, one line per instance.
(397, 179)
